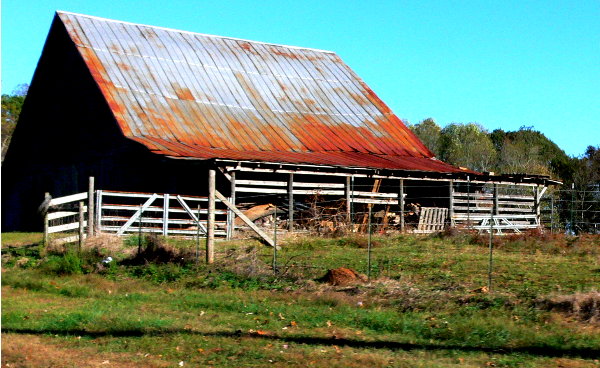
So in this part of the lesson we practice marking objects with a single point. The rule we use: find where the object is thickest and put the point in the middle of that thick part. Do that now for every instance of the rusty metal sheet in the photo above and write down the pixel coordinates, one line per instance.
(191, 95)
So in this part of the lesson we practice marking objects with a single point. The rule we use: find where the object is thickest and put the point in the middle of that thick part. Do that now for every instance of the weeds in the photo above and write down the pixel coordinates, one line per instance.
(425, 303)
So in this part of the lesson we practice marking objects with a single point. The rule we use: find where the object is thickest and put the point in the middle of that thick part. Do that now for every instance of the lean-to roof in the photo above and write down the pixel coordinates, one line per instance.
(190, 95)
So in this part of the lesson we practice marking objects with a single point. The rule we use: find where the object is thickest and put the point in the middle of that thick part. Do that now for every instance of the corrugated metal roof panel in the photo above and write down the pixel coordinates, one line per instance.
(199, 96)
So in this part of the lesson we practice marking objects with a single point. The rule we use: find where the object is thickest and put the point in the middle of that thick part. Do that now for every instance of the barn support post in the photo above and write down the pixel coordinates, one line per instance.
(290, 203)
(401, 204)
(468, 202)
(81, 225)
(210, 241)
(451, 203)
(351, 199)
(552, 215)
(347, 193)
(230, 214)
(536, 203)
(90, 208)
(496, 207)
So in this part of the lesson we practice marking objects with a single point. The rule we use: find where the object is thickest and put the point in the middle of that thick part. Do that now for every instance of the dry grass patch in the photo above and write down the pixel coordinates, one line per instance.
(36, 351)
(583, 306)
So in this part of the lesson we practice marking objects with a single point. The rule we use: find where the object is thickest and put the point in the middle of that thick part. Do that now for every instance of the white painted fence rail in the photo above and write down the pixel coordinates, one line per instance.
(63, 216)
(166, 214)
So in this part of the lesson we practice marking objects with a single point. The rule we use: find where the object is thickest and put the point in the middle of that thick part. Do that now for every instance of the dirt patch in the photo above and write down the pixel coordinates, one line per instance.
(343, 276)
(585, 307)
(34, 351)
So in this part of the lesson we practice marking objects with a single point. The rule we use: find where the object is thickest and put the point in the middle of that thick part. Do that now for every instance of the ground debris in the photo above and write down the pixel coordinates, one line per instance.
(583, 306)
(343, 276)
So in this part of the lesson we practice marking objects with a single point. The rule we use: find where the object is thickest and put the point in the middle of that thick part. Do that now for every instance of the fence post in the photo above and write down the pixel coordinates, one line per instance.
(90, 208)
(290, 203)
(210, 241)
(165, 229)
(81, 225)
(468, 202)
(451, 203)
(491, 248)
(275, 241)
(347, 194)
(198, 238)
(401, 203)
(140, 230)
(369, 248)
(46, 222)
(572, 204)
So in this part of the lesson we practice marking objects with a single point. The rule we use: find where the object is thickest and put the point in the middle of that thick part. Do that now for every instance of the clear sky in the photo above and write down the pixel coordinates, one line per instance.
(503, 64)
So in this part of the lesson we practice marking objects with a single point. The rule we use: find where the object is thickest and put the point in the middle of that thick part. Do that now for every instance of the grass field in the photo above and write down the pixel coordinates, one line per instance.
(425, 306)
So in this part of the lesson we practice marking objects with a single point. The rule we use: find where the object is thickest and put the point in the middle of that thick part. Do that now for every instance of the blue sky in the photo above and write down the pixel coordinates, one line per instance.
(503, 64)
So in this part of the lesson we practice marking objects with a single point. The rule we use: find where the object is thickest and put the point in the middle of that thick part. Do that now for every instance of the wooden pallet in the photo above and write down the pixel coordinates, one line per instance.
(431, 219)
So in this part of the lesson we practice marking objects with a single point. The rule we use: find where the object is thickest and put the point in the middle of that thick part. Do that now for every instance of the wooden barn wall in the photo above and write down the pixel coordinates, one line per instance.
(67, 133)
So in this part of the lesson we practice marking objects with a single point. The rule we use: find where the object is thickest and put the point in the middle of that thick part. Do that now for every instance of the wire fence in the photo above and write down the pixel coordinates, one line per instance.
(570, 211)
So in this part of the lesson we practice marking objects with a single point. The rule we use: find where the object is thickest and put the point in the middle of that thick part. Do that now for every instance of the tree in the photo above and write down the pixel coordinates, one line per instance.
(529, 151)
(429, 133)
(11, 109)
(467, 145)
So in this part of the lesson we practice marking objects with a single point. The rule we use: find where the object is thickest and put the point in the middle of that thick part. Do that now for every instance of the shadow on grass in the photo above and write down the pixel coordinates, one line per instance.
(541, 350)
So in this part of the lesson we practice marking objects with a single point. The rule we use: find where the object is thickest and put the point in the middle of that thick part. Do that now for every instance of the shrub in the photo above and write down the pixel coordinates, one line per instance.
(68, 264)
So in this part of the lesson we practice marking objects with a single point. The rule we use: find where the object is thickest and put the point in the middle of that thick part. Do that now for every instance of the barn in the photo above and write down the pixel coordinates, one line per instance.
(145, 109)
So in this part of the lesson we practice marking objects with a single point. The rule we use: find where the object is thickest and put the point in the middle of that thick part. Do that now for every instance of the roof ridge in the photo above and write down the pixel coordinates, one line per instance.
(58, 12)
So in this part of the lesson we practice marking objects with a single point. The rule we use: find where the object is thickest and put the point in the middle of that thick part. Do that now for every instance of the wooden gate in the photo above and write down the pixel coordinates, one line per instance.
(166, 214)
(66, 216)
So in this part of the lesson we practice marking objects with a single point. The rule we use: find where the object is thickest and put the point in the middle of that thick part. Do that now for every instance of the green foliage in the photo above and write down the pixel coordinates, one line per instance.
(11, 110)
(67, 264)
(467, 145)
(429, 133)
(159, 273)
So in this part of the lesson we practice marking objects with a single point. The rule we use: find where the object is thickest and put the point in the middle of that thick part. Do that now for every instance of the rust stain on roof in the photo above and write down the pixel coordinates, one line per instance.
(199, 96)
(184, 93)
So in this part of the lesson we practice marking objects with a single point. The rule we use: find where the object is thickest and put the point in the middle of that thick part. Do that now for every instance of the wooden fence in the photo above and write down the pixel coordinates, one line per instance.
(166, 214)
(63, 216)
(508, 212)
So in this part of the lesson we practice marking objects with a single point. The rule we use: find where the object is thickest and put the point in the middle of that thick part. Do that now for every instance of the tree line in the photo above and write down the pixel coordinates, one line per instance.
(525, 151)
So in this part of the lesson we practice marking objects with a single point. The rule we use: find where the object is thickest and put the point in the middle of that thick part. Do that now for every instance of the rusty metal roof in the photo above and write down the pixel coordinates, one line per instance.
(190, 95)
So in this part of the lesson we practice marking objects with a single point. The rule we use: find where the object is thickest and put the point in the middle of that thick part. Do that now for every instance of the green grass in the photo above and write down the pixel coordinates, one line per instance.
(420, 310)
(15, 239)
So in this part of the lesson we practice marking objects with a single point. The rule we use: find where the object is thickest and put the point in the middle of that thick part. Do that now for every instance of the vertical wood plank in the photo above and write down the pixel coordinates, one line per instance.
(495, 204)
(81, 225)
(98, 227)
(290, 203)
(210, 241)
(165, 229)
(90, 208)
